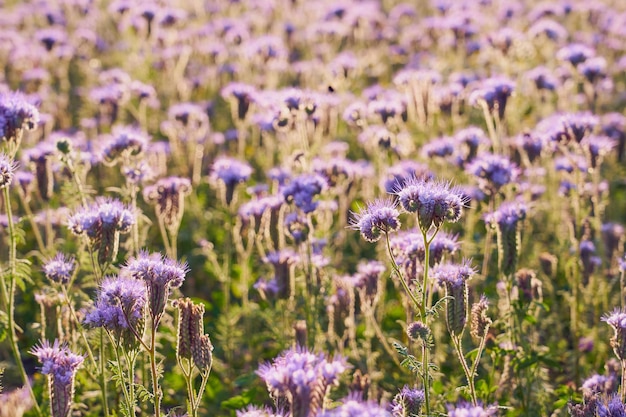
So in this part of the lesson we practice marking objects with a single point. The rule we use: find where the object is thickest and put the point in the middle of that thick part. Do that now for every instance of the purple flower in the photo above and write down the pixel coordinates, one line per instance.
(125, 142)
(230, 172)
(60, 268)
(453, 275)
(617, 320)
(379, 217)
(493, 171)
(120, 306)
(160, 275)
(408, 402)
(543, 78)
(102, 222)
(16, 116)
(494, 93)
(302, 377)
(575, 53)
(7, 170)
(60, 364)
(469, 410)
(241, 95)
(368, 276)
(507, 215)
(433, 201)
(353, 406)
(254, 411)
(398, 174)
(168, 197)
(302, 189)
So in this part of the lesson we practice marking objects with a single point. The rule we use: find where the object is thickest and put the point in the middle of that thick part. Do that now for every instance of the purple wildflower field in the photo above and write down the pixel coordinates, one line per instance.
(327, 208)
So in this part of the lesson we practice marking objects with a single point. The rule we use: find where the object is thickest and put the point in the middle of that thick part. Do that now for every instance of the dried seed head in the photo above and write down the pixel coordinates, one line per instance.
(190, 326)
(202, 353)
(479, 324)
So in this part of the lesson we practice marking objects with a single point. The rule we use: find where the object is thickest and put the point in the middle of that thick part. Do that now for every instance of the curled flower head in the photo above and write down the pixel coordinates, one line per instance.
(469, 410)
(7, 170)
(168, 197)
(434, 202)
(60, 268)
(493, 171)
(302, 189)
(229, 172)
(302, 377)
(60, 364)
(408, 402)
(16, 116)
(617, 320)
(120, 309)
(493, 93)
(125, 142)
(379, 217)
(160, 275)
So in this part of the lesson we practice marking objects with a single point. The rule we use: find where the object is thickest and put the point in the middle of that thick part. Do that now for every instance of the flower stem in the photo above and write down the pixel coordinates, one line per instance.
(153, 369)
(8, 298)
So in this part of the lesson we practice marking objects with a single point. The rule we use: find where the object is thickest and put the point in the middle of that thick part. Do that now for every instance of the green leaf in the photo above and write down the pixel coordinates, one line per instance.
(236, 403)
(4, 325)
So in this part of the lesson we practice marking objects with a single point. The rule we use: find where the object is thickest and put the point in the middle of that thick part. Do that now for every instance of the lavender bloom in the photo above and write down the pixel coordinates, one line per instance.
(230, 172)
(303, 378)
(120, 308)
(378, 218)
(254, 411)
(454, 277)
(368, 277)
(282, 261)
(16, 116)
(543, 78)
(408, 402)
(598, 384)
(398, 174)
(572, 127)
(617, 320)
(354, 407)
(441, 147)
(494, 93)
(7, 170)
(168, 197)
(469, 410)
(241, 97)
(60, 364)
(588, 259)
(102, 222)
(41, 157)
(60, 268)
(297, 227)
(124, 143)
(506, 221)
(575, 53)
(160, 275)
(593, 69)
(434, 202)
(493, 172)
(302, 189)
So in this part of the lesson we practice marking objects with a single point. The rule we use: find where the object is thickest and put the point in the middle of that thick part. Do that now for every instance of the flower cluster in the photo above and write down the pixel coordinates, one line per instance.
(355, 407)
(506, 220)
(16, 116)
(229, 172)
(378, 218)
(168, 197)
(454, 277)
(192, 342)
(492, 171)
(60, 364)
(124, 143)
(160, 275)
(302, 377)
(7, 170)
(302, 190)
(120, 309)
(434, 202)
(60, 268)
(102, 222)
(408, 402)
(617, 320)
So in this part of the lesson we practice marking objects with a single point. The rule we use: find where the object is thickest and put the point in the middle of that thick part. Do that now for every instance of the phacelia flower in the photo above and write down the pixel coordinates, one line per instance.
(355, 407)
(469, 410)
(617, 320)
(229, 172)
(16, 116)
(7, 170)
(102, 222)
(434, 202)
(254, 411)
(60, 364)
(41, 158)
(379, 217)
(302, 190)
(160, 275)
(479, 322)
(302, 378)
(492, 171)
(398, 174)
(168, 197)
(408, 402)
(506, 220)
(454, 277)
(494, 94)
(124, 143)
(60, 268)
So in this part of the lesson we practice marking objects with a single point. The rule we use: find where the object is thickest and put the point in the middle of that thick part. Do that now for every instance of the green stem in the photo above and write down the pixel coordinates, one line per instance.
(153, 369)
(116, 349)
(468, 373)
(8, 298)
(103, 380)
(396, 269)
(425, 351)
